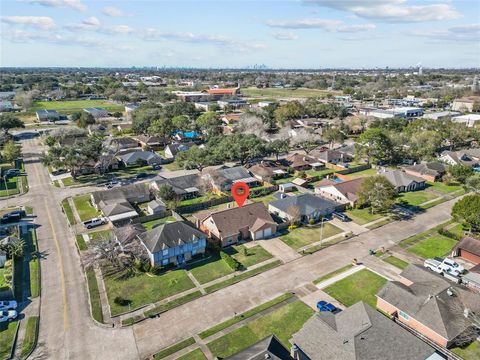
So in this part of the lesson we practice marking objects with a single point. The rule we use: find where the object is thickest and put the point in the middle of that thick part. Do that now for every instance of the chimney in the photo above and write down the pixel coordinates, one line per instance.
(294, 353)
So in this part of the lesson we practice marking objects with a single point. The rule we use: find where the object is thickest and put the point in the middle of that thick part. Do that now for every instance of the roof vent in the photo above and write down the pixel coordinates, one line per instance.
(267, 356)
(449, 292)
(345, 341)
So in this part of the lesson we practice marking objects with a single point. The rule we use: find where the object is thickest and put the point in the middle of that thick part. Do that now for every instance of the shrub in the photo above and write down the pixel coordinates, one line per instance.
(137, 264)
(311, 221)
(449, 234)
(146, 266)
(231, 262)
(121, 301)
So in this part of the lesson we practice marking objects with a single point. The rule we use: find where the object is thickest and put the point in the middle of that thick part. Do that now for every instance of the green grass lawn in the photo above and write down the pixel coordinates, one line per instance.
(320, 173)
(286, 93)
(457, 230)
(437, 245)
(303, 235)
(283, 322)
(142, 289)
(75, 105)
(363, 173)
(100, 236)
(200, 199)
(7, 334)
(209, 269)
(415, 198)
(363, 216)
(81, 244)
(85, 210)
(172, 304)
(30, 335)
(442, 187)
(149, 225)
(196, 354)
(265, 199)
(471, 352)
(361, 286)
(332, 274)
(399, 263)
(4, 285)
(94, 293)
(9, 188)
(254, 255)
(174, 348)
(68, 181)
(67, 209)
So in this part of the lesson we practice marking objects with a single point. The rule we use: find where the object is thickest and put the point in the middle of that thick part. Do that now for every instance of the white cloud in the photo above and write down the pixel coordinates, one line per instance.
(468, 32)
(41, 22)
(112, 11)
(356, 28)
(93, 24)
(391, 10)
(73, 4)
(91, 21)
(285, 36)
(325, 24)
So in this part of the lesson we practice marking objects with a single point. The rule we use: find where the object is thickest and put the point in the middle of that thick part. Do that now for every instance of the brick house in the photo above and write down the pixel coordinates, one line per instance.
(469, 249)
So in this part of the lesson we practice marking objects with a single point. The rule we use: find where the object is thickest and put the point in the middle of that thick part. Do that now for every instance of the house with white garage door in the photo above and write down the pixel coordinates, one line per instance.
(250, 222)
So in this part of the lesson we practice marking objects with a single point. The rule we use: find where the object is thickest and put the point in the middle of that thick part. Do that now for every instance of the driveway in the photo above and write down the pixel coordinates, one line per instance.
(349, 226)
(279, 249)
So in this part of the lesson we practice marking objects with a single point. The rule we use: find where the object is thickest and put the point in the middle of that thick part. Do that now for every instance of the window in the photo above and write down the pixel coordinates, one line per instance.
(404, 315)
(165, 262)
(165, 252)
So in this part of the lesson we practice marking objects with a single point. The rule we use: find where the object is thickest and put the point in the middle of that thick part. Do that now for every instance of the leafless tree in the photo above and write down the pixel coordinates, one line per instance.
(252, 124)
(465, 305)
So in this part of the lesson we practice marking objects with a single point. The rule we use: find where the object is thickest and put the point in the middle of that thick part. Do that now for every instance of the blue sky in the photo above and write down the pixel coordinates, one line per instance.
(289, 34)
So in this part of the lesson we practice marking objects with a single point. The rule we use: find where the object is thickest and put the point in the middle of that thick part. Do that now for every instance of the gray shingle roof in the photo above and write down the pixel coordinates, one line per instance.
(358, 333)
(430, 168)
(134, 156)
(399, 178)
(121, 193)
(169, 235)
(307, 204)
(270, 346)
(181, 184)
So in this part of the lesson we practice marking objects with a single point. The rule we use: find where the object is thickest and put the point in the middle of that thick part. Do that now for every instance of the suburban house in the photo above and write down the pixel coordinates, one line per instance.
(268, 348)
(429, 171)
(156, 207)
(47, 115)
(331, 157)
(96, 112)
(121, 144)
(301, 207)
(231, 119)
(150, 142)
(302, 162)
(252, 221)
(430, 305)
(116, 203)
(139, 157)
(466, 157)
(171, 150)
(173, 243)
(464, 104)
(344, 193)
(186, 136)
(105, 163)
(223, 178)
(267, 170)
(472, 279)
(358, 332)
(185, 186)
(402, 181)
(468, 248)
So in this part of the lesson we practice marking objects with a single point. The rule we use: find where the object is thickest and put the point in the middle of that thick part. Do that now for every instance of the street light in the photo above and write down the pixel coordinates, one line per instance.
(321, 231)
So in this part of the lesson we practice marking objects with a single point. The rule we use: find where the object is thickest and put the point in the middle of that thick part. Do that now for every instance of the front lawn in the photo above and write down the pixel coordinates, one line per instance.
(149, 225)
(442, 187)
(437, 245)
(141, 289)
(332, 274)
(304, 235)
(97, 237)
(415, 198)
(360, 286)
(471, 352)
(253, 255)
(362, 216)
(7, 334)
(209, 269)
(196, 354)
(283, 322)
(68, 181)
(84, 208)
(399, 263)
(9, 187)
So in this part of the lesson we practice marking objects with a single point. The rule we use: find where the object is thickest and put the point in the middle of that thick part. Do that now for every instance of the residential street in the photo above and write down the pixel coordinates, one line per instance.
(66, 328)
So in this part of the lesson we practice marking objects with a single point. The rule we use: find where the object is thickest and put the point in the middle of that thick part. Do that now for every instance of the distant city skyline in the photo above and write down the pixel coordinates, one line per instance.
(310, 34)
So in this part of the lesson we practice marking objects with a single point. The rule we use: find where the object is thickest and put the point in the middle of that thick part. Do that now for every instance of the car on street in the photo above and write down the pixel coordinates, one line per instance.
(8, 305)
(7, 315)
(324, 306)
(94, 222)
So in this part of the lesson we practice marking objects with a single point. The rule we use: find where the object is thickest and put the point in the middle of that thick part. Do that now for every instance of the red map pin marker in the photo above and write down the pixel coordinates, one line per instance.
(240, 192)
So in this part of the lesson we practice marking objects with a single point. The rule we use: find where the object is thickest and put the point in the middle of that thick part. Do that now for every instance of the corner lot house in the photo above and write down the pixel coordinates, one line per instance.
(469, 249)
(361, 333)
(173, 243)
(430, 304)
(303, 207)
(428, 171)
(344, 193)
(251, 221)
(402, 181)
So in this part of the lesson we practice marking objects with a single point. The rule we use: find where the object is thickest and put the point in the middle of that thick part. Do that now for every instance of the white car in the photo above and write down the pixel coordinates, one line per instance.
(7, 315)
(8, 305)
(456, 267)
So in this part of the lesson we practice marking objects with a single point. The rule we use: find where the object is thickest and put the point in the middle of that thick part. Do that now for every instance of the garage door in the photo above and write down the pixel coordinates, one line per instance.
(267, 232)
(259, 235)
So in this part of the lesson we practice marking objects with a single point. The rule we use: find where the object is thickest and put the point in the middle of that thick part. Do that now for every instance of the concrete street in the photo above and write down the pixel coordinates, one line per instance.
(66, 328)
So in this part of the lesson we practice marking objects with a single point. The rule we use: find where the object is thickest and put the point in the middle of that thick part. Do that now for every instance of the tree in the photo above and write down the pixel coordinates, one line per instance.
(24, 99)
(333, 135)
(467, 209)
(11, 151)
(162, 127)
(166, 192)
(181, 122)
(376, 145)
(239, 147)
(16, 247)
(278, 147)
(288, 111)
(460, 172)
(209, 123)
(195, 158)
(305, 140)
(9, 121)
(473, 184)
(85, 120)
(376, 192)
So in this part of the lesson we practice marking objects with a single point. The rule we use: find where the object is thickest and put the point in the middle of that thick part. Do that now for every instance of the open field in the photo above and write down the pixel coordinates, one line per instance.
(360, 286)
(69, 106)
(287, 93)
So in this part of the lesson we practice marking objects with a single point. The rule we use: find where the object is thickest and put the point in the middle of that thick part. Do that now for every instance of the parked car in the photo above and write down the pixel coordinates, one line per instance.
(13, 216)
(440, 267)
(59, 172)
(141, 175)
(8, 305)
(452, 264)
(341, 216)
(11, 173)
(7, 315)
(322, 305)
(94, 222)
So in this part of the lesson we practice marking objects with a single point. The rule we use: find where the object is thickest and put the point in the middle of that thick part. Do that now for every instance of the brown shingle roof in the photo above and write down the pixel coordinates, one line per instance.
(469, 244)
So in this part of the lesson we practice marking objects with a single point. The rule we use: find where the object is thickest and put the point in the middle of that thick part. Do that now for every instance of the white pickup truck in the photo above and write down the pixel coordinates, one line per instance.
(440, 267)
(94, 222)
(452, 264)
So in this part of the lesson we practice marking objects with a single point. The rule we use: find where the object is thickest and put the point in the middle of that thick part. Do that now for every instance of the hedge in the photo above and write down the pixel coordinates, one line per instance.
(231, 262)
